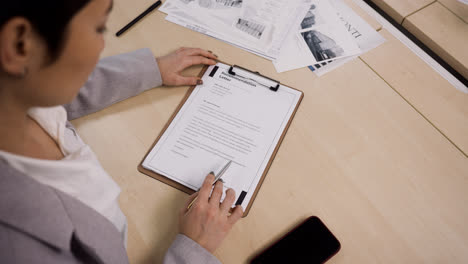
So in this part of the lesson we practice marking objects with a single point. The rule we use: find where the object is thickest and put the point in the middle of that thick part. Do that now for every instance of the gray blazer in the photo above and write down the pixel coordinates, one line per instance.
(39, 224)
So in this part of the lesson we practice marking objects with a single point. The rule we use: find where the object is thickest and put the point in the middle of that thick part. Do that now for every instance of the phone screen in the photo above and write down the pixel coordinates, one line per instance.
(310, 242)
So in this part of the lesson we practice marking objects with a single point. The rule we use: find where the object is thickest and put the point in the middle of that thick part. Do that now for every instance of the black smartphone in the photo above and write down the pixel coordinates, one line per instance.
(309, 242)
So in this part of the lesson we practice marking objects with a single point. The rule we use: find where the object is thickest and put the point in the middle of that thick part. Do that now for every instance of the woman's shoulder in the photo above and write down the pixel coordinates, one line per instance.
(30, 217)
(37, 218)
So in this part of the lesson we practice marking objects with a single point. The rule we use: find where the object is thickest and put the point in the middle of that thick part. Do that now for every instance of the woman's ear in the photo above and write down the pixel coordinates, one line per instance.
(17, 40)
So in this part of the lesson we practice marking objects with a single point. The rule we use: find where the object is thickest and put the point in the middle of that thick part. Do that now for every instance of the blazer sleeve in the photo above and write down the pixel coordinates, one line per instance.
(116, 78)
(184, 251)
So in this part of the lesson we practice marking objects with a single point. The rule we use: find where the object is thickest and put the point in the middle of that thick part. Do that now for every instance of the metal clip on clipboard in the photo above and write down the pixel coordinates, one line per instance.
(255, 77)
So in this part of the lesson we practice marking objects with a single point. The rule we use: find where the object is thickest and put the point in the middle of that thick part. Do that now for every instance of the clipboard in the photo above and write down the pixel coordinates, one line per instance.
(236, 72)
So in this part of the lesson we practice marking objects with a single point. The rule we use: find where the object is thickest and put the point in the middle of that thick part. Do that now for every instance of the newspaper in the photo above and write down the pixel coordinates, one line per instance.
(366, 37)
(321, 34)
(260, 26)
(319, 37)
(205, 31)
(274, 17)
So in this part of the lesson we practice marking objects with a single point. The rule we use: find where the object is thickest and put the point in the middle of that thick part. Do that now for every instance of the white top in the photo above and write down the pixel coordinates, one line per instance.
(79, 174)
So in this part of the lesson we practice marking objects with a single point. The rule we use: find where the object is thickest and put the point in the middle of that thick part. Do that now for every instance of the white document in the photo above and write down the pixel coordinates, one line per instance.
(321, 37)
(226, 118)
(260, 26)
(206, 31)
(218, 24)
(272, 19)
(366, 37)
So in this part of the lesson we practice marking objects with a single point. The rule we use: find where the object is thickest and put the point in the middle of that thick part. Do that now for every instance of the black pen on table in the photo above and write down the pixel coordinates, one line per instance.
(142, 15)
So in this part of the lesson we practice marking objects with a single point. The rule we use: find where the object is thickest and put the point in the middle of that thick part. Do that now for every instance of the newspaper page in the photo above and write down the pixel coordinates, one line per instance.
(204, 30)
(200, 21)
(195, 23)
(215, 14)
(366, 37)
(320, 37)
(255, 25)
(270, 19)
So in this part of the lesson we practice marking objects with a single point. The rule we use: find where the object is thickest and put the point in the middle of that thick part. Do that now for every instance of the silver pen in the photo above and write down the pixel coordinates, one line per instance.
(217, 178)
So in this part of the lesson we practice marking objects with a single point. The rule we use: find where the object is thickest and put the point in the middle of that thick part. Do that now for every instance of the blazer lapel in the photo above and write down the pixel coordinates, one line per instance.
(97, 235)
(33, 208)
(54, 217)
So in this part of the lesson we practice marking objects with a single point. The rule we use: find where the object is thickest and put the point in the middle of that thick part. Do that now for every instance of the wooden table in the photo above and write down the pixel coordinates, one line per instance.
(378, 151)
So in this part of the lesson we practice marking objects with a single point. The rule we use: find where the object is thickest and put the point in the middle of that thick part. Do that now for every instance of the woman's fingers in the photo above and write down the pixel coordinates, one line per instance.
(228, 200)
(205, 190)
(200, 52)
(195, 60)
(209, 222)
(216, 194)
(236, 215)
(172, 65)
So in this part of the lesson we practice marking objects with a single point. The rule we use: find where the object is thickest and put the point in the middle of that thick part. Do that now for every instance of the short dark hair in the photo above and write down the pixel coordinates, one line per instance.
(50, 18)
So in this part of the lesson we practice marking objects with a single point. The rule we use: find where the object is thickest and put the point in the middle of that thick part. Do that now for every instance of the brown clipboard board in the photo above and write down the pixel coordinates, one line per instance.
(189, 191)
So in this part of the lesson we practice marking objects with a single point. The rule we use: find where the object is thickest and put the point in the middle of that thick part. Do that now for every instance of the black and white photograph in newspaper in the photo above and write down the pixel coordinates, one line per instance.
(312, 18)
(365, 35)
(319, 42)
(322, 47)
(252, 28)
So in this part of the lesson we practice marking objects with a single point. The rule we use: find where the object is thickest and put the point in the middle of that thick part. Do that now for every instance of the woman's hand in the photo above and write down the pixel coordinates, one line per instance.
(208, 221)
(173, 64)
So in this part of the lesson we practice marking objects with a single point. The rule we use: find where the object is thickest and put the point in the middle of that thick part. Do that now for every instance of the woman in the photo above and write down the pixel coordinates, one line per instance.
(58, 205)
